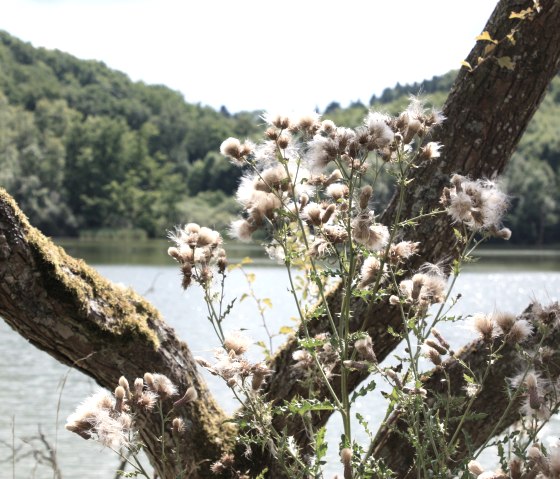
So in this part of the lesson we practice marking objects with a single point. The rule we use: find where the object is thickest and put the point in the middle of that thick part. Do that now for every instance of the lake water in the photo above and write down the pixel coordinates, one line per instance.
(38, 392)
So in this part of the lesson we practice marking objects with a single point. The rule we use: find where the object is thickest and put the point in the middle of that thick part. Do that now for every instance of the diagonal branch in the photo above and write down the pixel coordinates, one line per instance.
(67, 309)
(487, 112)
(492, 401)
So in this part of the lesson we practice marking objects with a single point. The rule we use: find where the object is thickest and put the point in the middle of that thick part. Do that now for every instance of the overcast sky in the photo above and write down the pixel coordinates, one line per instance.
(258, 54)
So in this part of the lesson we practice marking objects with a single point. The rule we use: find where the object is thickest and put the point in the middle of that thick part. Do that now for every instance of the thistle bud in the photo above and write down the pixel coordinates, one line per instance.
(178, 425)
(271, 133)
(433, 356)
(395, 377)
(358, 365)
(365, 195)
(149, 380)
(138, 386)
(120, 393)
(190, 395)
(441, 339)
(283, 142)
(123, 382)
(327, 214)
(432, 344)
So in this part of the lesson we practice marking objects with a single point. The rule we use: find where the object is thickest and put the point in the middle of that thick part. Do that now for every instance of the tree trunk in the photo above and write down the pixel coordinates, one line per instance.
(487, 112)
(66, 309)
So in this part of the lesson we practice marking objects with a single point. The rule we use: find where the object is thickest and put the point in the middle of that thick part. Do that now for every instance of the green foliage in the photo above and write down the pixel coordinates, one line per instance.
(84, 148)
(213, 208)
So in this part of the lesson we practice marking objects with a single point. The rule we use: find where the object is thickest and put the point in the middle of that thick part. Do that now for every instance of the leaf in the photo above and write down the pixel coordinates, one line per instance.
(467, 65)
(468, 379)
(506, 62)
(243, 297)
(251, 277)
(522, 15)
(489, 48)
(321, 445)
(363, 391)
(228, 309)
(485, 37)
(267, 302)
(262, 475)
(264, 347)
(303, 406)
(286, 330)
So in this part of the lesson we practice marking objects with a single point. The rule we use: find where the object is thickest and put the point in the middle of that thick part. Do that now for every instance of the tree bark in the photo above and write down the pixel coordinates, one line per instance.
(66, 309)
(492, 401)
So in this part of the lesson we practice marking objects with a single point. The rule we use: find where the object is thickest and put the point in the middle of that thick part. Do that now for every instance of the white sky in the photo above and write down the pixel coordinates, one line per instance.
(257, 54)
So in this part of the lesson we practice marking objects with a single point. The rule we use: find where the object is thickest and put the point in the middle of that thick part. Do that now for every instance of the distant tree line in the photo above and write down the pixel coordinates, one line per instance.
(84, 149)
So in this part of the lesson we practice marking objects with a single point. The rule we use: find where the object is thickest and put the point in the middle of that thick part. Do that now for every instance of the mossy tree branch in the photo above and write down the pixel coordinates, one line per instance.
(67, 309)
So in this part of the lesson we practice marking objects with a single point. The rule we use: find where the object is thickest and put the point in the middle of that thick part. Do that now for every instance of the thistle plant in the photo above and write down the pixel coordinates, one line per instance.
(309, 193)
(116, 420)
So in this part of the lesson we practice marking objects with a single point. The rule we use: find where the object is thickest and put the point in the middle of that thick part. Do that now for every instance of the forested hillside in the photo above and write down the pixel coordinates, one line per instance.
(85, 150)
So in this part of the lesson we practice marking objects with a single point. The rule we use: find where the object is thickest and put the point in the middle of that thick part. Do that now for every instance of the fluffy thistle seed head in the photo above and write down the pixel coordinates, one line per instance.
(346, 455)
(328, 126)
(237, 343)
(430, 151)
(337, 191)
(364, 346)
(365, 196)
(402, 251)
(479, 204)
(485, 327)
(147, 400)
(368, 272)
(161, 385)
(231, 148)
(475, 468)
(520, 331)
(505, 321)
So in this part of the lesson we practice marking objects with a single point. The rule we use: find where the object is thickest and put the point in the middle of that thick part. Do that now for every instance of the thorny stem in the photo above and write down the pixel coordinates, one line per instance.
(162, 439)
(307, 335)
(517, 393)
(255, 411)
(137, 465)
(260, 309)
(214, 318)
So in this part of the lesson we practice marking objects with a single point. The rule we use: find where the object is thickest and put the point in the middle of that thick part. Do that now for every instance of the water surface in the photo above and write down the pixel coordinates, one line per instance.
(39, 392)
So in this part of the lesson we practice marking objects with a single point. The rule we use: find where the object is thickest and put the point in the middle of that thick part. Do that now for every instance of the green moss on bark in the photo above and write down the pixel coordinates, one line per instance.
(120, 313)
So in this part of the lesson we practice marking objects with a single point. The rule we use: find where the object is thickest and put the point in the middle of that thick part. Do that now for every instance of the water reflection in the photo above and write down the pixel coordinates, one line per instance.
(154, 252)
